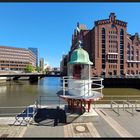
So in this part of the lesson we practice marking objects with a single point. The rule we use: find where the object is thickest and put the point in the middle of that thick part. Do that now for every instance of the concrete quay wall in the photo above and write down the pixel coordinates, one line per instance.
(122, 82)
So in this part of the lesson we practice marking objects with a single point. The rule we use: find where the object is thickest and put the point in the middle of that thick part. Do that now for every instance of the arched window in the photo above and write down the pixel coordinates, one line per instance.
(137, 55)
(103, 31)
(132, 50)
(121, 32)
(103, 48)
(137, 52)
(128, 47)
(128, 51)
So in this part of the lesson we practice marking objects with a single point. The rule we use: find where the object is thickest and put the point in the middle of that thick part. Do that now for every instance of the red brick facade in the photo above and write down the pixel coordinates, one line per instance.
(112, 50)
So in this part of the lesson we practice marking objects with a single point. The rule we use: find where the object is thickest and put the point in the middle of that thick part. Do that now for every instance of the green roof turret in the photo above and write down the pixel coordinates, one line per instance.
(80, 56)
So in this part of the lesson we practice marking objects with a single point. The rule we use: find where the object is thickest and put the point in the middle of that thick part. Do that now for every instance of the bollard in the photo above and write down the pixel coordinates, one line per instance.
(123, 105)
(111, 104)
(132, 110)
(118, 111)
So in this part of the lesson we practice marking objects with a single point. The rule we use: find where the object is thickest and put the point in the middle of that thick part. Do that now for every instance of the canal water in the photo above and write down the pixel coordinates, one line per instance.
(24, 93)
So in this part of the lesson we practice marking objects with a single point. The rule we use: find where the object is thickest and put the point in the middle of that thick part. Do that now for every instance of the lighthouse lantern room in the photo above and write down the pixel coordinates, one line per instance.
(79, 88)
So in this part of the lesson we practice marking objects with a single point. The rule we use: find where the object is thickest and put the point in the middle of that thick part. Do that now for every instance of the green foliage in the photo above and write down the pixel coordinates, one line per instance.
(29, 68)
(37, 69)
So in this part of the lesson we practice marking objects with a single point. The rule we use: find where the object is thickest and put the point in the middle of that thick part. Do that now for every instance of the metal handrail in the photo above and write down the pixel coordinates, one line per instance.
(128, 104)
(113, 102)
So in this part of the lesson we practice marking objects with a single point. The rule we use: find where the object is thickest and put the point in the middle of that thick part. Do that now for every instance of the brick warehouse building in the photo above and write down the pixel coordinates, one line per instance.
(112, 50)
(16, 59)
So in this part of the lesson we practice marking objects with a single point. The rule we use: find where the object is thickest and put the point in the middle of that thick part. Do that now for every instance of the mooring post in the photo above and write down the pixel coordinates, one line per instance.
(84, 103)
(89, 105)
(81, 106)
(72, 105)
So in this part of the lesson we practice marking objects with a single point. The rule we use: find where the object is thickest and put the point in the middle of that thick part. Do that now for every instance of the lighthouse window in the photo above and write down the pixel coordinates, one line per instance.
(77, 72)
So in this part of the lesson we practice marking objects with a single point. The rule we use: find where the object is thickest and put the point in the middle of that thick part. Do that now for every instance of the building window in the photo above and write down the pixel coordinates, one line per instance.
(121, 32)
(128, 47)
(121, 66)
(121, 52)
(137, 52)
(103, 41)
(128, 72)
(137, 58)
(137, 55)
(128, 57)
(103, 48)
(128, 52)
(112, 26)
(132, 72)
(121, 56)
(121, 47)
(103, 31)
(132, 57)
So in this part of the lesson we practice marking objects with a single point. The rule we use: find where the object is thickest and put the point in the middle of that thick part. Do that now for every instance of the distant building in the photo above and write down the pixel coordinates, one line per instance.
(112, 50)
(16, 59)
(35, 51)
(47, 67)
(56, 69)
(63, 65)
(41, 64)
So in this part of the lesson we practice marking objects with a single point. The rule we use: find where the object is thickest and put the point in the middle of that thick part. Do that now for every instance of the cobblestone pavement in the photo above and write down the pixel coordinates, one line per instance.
(12, 131)
(106, 124)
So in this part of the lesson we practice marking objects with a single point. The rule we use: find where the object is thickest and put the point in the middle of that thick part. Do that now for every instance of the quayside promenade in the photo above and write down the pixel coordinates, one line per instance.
(106, 123)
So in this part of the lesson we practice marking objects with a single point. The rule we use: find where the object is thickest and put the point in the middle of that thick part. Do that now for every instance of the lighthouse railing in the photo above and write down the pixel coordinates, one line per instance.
(93, 81)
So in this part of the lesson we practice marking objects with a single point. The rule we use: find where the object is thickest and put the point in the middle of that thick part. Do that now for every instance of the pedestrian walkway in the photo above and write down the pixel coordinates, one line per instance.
(12, 131)
(80, 130)
(106, 124)
(114, 124)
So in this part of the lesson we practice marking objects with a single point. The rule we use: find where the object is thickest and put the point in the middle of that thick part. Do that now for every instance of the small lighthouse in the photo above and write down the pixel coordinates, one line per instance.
(79, 88)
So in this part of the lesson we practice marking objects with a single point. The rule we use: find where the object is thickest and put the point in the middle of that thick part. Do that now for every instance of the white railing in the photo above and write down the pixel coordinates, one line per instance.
(93, 81)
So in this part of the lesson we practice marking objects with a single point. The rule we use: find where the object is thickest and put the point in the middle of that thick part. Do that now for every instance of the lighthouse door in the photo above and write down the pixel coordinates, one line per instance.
(77, 71)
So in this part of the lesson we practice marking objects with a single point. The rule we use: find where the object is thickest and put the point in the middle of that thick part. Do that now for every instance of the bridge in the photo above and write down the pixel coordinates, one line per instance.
(32, 76)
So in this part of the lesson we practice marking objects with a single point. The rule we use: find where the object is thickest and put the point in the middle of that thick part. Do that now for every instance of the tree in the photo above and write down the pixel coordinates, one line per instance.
(29, 68)
(38, 69)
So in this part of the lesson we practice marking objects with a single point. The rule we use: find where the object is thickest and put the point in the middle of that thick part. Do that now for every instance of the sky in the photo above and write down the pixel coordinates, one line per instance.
(49, 26)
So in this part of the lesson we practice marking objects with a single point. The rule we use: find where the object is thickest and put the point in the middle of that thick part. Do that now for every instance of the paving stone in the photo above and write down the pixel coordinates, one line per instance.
(98, 127)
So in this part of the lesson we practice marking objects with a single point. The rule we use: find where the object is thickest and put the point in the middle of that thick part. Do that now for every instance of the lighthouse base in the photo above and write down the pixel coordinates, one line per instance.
(83, 118)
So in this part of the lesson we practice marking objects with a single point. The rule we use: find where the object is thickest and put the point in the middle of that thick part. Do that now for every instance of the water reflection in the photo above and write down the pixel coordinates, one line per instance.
(3, 89)
(49, 86)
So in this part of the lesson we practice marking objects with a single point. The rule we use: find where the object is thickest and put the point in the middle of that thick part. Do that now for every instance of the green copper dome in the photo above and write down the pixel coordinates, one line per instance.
(80, 56)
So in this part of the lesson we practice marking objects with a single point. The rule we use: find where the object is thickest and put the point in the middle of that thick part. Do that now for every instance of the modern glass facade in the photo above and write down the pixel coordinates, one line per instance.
(35, 51)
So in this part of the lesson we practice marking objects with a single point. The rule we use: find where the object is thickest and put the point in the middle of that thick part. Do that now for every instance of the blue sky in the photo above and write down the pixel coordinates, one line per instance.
(49, 26)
